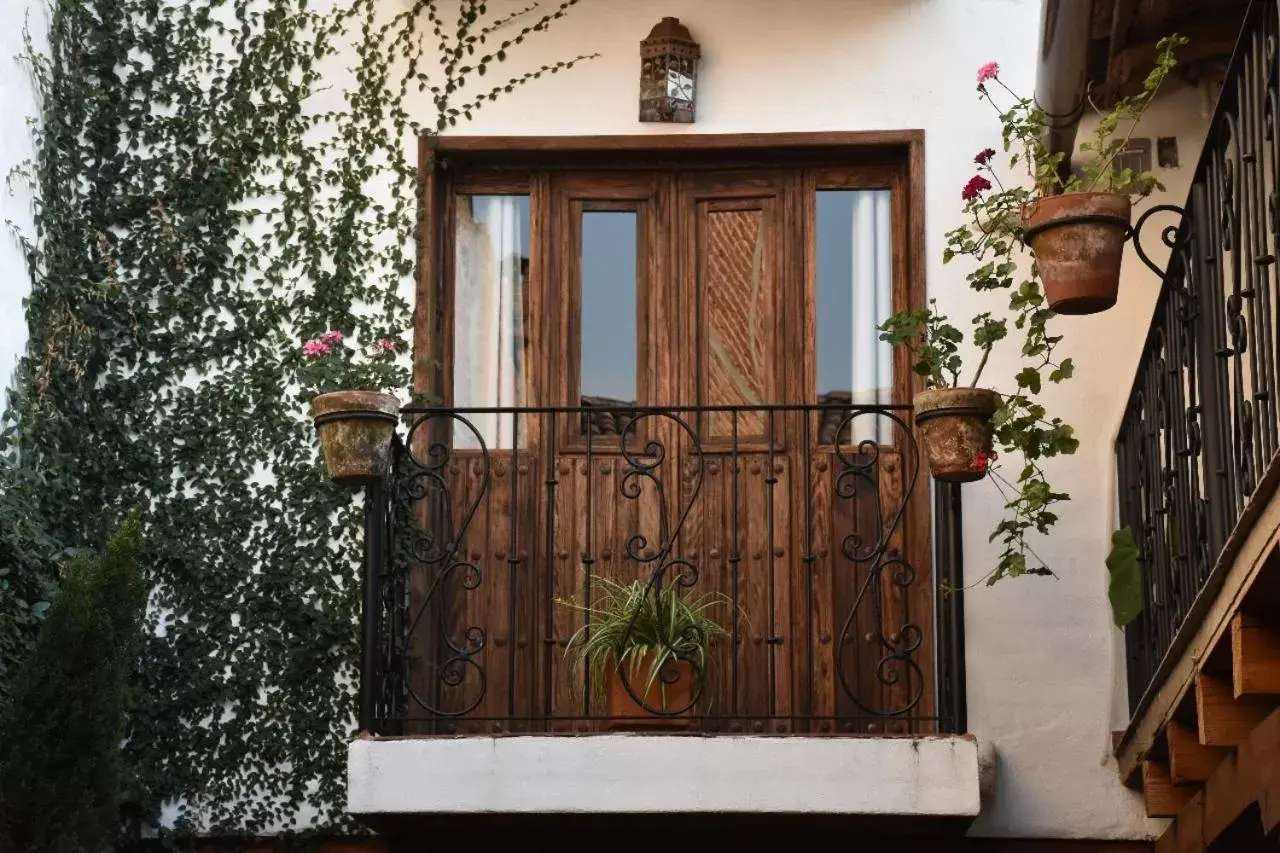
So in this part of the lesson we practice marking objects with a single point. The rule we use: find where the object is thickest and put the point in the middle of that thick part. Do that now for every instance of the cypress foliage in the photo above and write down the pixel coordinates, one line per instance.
(61, 767)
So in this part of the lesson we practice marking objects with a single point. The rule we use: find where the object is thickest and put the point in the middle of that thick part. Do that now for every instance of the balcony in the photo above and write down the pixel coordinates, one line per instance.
(809, 530)
(1197, 461)
(1197, 446)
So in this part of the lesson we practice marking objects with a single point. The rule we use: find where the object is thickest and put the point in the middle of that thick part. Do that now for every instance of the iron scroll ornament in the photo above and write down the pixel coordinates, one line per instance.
(645, 466)
(420, 482)
(884, 563)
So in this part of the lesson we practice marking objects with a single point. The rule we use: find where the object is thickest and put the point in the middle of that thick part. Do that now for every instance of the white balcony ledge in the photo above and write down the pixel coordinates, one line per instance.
(925, 777)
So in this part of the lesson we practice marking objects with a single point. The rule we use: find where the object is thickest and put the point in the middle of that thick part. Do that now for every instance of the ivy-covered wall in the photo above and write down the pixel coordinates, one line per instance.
(17, 100)
(215, 181)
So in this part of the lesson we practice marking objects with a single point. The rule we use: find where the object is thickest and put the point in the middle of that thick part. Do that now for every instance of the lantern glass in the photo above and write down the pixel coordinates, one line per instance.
(668, 73)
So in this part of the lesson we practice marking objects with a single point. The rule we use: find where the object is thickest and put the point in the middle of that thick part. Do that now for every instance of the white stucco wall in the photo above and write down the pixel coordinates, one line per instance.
(17, 103)
(1044, 663)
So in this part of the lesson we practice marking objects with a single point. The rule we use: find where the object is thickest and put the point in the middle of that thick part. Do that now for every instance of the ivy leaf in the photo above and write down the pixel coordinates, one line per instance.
(1125, 589)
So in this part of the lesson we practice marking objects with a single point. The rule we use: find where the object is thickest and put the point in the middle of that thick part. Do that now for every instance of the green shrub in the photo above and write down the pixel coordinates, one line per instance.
(60, 760)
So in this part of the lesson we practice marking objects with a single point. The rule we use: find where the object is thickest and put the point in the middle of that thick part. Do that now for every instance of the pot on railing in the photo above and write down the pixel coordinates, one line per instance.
(356, 428)
(674, 693)
(955, 430)
(1078, 242)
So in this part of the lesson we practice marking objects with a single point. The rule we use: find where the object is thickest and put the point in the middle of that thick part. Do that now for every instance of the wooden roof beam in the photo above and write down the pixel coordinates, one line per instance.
(1150, 17)
(1255, 657)
(1212, 39)
(1162, 797)
(1189, 760)
(1222, 719)
(1248, 777)
(1121, 22)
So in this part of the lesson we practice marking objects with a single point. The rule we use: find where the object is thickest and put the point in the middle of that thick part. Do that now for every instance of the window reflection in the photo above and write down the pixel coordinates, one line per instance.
(854, 292)
(491, 236)
(608, 318)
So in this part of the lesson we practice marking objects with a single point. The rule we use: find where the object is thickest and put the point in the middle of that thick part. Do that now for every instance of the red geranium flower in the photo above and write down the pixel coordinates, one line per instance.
(976, 185)
(984, 156)
(983, 460)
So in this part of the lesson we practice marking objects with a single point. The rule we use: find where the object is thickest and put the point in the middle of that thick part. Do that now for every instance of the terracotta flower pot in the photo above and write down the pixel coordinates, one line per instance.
(678, 696)
(355, 430)
(1078, 240)
(955, 426)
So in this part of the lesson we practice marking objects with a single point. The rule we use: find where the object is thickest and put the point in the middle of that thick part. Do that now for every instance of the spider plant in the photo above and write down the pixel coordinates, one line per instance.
(644, 627)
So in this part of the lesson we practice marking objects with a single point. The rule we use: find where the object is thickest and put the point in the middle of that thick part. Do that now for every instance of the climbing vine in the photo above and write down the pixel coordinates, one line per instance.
(216, 181)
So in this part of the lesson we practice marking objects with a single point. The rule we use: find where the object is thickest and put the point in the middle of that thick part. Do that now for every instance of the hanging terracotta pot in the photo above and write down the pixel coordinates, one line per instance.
(955, 426)
(1078, 241)
(355, 430)
(629, 715)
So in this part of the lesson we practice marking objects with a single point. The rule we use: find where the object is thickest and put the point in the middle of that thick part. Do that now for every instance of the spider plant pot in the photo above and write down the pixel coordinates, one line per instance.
(1078, 242)
(675, 697)
(954, 425)
(355, 430)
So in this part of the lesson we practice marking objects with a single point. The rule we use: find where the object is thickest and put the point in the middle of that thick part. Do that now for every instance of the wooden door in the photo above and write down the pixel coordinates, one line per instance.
(737, 288)
(732, 489)
(609, 246)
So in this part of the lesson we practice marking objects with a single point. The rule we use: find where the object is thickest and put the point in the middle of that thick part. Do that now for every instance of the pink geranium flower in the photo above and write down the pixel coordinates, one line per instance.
(384, 345)
(333, 336)
(976, 185)
(315, 349)
(990, 71)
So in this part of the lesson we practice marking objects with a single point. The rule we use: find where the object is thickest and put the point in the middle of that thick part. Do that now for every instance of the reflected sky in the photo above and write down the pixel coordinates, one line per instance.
(609, 304)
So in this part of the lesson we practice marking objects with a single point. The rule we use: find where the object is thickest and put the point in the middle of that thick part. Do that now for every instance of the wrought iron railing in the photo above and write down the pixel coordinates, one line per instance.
(810, 525)
(1199, 434)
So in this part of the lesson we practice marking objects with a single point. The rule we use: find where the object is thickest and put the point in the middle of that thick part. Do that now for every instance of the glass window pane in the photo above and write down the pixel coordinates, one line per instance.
(491, 271)
(608, 323)
(854, 291)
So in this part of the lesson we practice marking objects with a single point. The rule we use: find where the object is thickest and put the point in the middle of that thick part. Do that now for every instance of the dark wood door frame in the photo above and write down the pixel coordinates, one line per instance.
(505, 165)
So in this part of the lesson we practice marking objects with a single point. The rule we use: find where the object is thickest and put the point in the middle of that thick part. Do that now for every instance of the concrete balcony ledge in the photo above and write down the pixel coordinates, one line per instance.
(914, 777)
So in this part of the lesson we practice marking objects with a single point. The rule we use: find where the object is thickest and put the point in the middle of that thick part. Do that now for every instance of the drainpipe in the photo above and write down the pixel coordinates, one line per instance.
(1060, 72)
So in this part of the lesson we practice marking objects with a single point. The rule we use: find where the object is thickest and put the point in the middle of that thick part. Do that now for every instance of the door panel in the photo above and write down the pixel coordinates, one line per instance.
(737, 288)
(734, 245)
(734, 248)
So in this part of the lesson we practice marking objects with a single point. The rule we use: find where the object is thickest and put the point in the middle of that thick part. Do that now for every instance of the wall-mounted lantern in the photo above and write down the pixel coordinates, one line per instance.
(668, 73)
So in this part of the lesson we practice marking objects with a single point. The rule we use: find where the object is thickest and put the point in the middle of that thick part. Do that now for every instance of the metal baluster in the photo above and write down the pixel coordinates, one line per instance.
(773, 639)
(810, 423)
(549, 599)
(587, 561)
(374, 522)
(735, 558)
(513, 563)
